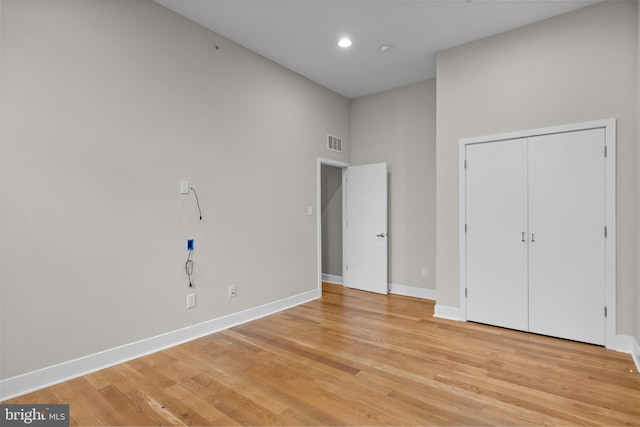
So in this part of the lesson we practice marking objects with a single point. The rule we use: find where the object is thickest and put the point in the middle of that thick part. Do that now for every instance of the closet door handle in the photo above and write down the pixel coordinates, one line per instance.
(533, 237)
(523, 234)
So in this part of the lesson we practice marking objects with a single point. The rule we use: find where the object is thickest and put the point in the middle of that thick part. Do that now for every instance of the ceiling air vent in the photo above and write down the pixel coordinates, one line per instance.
(334, 143)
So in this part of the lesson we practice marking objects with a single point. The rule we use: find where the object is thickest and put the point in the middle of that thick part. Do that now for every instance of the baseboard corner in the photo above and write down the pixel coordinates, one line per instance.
(635, 354)
(331, 278)
(412, 291)
(449, 313)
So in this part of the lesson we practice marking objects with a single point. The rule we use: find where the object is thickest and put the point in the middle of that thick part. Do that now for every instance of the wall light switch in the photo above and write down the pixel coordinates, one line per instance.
(310, 210)
(184, 187)
(423, 272)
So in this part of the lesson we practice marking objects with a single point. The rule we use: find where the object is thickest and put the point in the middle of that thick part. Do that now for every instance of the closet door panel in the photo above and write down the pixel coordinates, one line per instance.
(496, 217)
(567, 243)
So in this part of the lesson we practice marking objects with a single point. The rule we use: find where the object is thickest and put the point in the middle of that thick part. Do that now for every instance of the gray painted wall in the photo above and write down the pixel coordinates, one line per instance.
(106, 106)
(331, 220)
(577, 67)
(398, 127)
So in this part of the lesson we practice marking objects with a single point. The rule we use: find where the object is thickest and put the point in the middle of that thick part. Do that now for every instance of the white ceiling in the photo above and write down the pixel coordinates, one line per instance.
(302, 35)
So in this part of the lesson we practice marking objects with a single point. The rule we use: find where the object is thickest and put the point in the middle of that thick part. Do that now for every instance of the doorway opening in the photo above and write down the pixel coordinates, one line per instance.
(330, 220)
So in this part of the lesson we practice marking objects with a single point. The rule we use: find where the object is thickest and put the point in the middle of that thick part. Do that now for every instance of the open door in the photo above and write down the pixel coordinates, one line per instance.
(366, 237)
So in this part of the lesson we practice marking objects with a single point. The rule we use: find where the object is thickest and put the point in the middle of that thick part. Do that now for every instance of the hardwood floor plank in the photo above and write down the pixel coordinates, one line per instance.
(105, 412)
(251, 391)
(126, 407)
(357, 358)
(155, 409)
(172, 397)
(198, 409)
(80, 413)
(571, 411)
(297, 393)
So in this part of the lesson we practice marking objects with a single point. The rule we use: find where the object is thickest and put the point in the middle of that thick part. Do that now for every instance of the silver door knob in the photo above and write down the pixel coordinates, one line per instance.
(380, 235)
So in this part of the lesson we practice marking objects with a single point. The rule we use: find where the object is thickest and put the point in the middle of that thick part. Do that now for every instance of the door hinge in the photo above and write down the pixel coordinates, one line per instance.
(605, 232)
(346, 266)
(465, 164)
(605, 151)
(465, 228)
(605, 311)
(465, 292)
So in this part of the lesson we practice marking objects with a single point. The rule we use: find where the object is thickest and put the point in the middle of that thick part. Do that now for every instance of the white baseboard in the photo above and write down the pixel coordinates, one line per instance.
(332, 279)
(412, 291)
(45, 377)
(445, 312)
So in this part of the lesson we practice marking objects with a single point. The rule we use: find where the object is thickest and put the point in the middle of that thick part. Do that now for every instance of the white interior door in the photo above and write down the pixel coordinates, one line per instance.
(496, 182)
(366, 240)
(567, 242)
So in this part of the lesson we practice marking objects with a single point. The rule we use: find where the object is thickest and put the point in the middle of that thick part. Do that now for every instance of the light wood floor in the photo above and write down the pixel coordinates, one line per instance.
(355, 358)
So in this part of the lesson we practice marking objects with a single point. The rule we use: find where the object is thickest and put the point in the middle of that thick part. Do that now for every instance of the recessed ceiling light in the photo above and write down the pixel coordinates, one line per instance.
(386, 48)
(344, 42)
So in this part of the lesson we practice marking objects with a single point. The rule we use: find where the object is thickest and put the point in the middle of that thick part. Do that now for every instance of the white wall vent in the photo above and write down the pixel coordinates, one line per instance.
(334, 143)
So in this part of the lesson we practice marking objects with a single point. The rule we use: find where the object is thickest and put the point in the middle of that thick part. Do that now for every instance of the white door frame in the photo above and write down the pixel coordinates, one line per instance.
(609, 126)
(342, 165)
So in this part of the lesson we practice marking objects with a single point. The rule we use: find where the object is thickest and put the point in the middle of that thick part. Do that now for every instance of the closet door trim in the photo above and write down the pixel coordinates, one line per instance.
(609, 126)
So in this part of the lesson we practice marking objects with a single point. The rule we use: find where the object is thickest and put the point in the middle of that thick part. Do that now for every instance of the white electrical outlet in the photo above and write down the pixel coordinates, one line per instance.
(232, 291)
(191, 300)
(423, 272)
(184, 187)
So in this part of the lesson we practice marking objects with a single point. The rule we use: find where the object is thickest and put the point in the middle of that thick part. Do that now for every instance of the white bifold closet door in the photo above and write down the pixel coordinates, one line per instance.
(496, 248)
(567, 236)
(536, 234)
